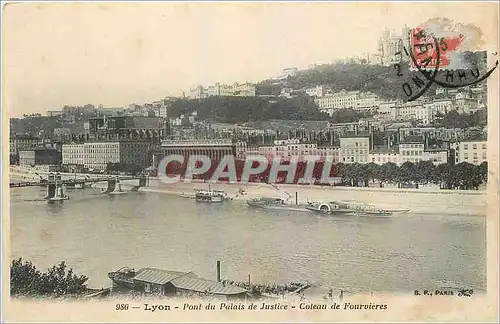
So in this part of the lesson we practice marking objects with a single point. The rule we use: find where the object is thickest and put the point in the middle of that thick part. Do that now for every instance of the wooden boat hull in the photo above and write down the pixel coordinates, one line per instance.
(284, 207)
(334, 212)
(211, 201)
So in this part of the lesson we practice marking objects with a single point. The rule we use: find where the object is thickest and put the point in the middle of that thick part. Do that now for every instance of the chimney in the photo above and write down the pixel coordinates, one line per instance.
(218, 271)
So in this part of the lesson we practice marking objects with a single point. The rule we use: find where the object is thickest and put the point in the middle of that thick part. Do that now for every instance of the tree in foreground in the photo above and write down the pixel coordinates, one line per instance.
(27, 281)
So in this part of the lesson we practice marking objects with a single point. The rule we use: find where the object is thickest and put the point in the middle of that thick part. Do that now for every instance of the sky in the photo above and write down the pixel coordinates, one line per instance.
(115, 54)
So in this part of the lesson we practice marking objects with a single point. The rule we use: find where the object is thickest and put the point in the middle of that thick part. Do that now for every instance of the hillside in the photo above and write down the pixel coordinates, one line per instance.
(33, 125)
(243, 109)
(381, 80)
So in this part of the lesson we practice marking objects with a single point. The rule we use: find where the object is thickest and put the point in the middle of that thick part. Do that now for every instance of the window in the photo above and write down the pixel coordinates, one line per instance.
(474, 146)
(484, 146)
(147, 288)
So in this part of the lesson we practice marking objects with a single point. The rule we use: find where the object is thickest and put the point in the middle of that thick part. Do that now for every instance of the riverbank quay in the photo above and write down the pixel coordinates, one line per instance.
(422, 200)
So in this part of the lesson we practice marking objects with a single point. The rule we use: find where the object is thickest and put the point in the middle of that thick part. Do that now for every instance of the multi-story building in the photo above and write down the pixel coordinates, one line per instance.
(465, 105)
(54, 113)
(294, 148)
(111, 111)
(355, 148)
(97, 155)
(73, 156)
(436, 156)
(244, 90)
(347, 99)
(330, 151)
(236, 89)
(287, 149)
(425, 113)
(39, 156)
(431, 132)
(317, 91)
(129, 127)
(470, 151)
(367, 101)
(22, 142)
(160, 108)
(442, 106)
(215, 149)
(340, 100)
(385, 108)
(385, 155)
(411, 149)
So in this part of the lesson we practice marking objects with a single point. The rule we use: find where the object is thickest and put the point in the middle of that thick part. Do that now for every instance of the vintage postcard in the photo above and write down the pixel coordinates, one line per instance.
(250, 161)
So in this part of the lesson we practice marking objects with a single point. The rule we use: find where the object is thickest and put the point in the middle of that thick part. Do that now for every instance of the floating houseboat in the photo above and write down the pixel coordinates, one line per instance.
(350, 208)
(159, 282)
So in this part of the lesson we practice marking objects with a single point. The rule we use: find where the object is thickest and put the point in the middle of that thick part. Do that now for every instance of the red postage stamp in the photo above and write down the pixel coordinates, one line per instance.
(431, 52)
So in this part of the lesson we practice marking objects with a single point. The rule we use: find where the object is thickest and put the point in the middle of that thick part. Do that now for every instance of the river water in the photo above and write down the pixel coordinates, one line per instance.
(96, 234)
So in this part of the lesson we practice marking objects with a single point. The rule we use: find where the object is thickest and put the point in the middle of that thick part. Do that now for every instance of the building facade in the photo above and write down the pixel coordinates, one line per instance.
(317, 91)
(152, 129)
(22, 142)
(39, 156)
(355, 149)
(340, 100)
(215, 149)
(470, 151)
(411, 151)
(239, 90)
(97, 155)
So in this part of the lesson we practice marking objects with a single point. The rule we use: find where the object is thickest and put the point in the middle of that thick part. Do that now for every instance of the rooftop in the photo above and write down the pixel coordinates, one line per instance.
(358, 135)
(385, 150)
(412, 139)
(158, 276)
(186, 281)
(202, 285)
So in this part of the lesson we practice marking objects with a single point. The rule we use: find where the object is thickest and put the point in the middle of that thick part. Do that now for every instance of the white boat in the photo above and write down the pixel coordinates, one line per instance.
(210, 196)
(351, 208)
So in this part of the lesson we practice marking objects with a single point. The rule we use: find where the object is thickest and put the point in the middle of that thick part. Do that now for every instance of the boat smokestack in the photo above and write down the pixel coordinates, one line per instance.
(218, 271)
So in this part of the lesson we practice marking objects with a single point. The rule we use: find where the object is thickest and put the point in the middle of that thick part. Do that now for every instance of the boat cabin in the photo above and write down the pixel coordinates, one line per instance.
(152, 281)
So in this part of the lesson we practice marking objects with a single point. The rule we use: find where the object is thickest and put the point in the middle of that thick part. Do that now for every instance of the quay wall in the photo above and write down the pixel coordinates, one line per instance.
(418, 200)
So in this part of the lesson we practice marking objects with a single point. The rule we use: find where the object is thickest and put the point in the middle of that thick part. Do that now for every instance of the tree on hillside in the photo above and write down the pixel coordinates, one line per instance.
(453, 119)
(245, 109)
(348, 115)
